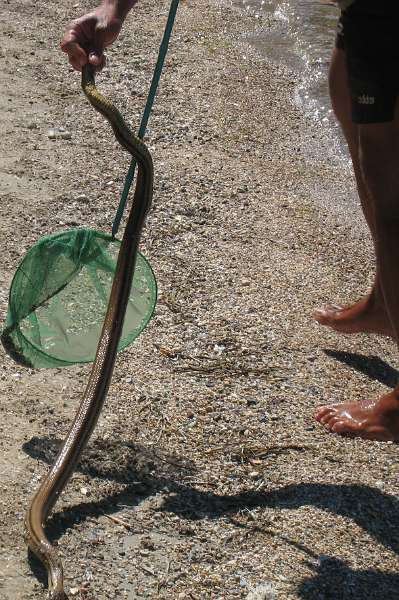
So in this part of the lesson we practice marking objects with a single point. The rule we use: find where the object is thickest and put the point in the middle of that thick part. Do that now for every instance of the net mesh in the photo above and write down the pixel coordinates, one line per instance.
(59, 296)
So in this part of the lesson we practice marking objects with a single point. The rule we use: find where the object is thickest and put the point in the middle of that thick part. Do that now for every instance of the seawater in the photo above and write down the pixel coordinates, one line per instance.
(301, 37)
(300, 34)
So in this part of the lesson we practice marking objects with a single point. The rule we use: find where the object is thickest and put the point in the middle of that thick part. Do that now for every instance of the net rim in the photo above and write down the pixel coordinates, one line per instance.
(126, 340)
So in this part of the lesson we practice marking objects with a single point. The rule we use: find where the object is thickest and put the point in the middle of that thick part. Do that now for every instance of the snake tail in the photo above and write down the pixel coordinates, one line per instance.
(100, 376)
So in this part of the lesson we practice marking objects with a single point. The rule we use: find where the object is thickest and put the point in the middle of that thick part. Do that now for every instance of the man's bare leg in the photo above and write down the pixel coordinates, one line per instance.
(378, 153)
(368, 315)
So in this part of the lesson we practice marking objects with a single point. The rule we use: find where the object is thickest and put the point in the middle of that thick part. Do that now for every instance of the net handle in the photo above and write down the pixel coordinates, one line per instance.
(147, 110)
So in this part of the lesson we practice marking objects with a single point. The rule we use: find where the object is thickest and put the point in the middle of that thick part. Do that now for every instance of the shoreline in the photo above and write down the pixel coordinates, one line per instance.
(206, 453)
(322, 138)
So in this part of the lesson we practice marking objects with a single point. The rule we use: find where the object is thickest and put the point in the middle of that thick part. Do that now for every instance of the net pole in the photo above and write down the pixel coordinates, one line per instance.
(147, 111)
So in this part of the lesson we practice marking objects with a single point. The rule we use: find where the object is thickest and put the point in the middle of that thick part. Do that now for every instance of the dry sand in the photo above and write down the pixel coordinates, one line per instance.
(206, 477)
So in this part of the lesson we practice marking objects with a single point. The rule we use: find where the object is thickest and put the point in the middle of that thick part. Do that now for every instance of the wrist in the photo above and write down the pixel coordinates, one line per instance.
(120, 8)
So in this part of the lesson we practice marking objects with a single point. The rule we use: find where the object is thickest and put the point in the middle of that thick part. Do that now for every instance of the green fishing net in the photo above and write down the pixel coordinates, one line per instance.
(59, 296)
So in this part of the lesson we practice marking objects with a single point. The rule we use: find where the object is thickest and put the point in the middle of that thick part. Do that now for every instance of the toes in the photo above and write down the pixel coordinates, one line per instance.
(329, 309)
(330, 420)
(324, 413)
(327, 314)
(320, 315)
(326, 420)
(341, 427)
(335, 424)
(366, 420)
(332, 309)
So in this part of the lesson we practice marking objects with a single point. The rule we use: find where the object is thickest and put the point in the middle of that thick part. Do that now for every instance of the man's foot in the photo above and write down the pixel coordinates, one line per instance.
(372, 420)
(365, 316)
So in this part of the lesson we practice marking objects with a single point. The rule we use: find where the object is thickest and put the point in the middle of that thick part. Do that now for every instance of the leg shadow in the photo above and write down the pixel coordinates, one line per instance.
(372, 366)
(335, 580)
(372, 510)
(375, 512)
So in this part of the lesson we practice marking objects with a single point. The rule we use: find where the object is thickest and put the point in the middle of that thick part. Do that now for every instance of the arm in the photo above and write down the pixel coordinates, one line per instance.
(85, 38)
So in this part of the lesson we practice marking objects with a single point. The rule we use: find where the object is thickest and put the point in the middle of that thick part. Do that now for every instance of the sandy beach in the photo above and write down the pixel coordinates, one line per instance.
(207, 476)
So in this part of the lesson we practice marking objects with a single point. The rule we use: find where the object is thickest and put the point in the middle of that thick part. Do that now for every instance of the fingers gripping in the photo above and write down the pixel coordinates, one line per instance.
(83, 42)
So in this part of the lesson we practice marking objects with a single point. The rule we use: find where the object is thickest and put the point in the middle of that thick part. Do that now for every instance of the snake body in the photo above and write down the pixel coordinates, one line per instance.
(101, 372)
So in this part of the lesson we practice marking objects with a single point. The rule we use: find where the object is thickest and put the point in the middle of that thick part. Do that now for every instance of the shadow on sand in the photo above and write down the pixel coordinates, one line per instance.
(371, 366)
(375, 512)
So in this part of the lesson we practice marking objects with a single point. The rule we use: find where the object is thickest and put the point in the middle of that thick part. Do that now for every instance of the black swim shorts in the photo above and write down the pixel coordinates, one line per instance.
(368, 33)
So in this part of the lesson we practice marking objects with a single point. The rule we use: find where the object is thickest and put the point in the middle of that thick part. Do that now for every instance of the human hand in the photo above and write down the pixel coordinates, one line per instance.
(85, 38)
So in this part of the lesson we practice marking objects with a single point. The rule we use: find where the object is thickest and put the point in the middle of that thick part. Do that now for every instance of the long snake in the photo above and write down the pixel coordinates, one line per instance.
(101, 372)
